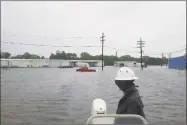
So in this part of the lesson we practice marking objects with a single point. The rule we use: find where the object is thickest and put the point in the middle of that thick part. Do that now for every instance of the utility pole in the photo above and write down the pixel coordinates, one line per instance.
(169, 55)
(169, 59)
(162, 59)
(115, 62)
(102, 41)
(141, 43)
(116, 54)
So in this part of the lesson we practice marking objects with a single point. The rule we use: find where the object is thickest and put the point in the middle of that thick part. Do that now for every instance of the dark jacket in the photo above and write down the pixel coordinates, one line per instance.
(131, 103)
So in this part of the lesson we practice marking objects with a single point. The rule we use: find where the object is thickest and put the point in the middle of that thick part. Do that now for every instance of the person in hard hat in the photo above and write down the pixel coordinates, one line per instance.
(131, 102)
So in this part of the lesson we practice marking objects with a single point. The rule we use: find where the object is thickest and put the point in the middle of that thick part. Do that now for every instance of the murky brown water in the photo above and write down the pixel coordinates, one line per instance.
(59, 96)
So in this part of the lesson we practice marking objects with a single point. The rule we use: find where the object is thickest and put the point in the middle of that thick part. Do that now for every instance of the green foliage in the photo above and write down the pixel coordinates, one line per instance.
(42, 57)
(27, 55)
(5, 55)
(108, 60)
(63, 55)
(156, 61)
(85, 56)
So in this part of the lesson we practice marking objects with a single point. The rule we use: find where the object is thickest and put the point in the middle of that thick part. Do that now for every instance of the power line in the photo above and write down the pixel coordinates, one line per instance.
(169, 52)
(46, 36)
(125, 46)
(49, 37)
(47, 45)
(176, 51)
(120, 49)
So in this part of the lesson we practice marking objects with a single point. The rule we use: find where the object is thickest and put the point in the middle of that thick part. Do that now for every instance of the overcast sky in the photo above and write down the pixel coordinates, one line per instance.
(162, 25)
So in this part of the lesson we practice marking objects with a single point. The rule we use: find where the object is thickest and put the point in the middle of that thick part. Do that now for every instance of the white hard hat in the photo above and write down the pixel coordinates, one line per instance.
(125, 73)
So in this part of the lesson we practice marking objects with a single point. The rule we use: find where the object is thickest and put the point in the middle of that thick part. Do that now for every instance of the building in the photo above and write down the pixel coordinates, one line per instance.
(90, 63)
(177, 63)
(127, 64)
(52, 63)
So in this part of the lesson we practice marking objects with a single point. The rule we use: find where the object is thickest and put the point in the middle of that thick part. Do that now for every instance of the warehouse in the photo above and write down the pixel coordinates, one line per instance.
(52, 63)
(127, 64)
(177, 63)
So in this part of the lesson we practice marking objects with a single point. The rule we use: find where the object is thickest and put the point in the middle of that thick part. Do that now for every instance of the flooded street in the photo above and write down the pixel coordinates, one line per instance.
(64, 96)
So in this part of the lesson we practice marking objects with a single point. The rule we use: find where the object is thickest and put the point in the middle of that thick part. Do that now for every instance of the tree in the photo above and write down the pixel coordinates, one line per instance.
(42, 57)
(52, 56)
(108, 59)
(33, 56)
(57, 54)
(69, 56)
(85, 56)
(63, 55)
(5, 55)
(126, 58)
(74, 56)
(26, 55)
(17, 57)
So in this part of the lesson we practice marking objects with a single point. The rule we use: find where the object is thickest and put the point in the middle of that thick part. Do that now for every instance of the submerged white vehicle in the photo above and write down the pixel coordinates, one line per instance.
(99, 116)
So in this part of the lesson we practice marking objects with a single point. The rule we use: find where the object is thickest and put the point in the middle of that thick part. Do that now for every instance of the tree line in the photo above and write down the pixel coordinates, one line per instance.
(108, 59)
(26, 55)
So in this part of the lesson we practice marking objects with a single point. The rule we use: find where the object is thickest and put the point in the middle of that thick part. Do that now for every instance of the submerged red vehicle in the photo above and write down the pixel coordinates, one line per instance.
(85, 69)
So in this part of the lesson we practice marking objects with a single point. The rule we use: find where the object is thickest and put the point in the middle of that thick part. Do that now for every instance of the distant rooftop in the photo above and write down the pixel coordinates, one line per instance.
(56, 59)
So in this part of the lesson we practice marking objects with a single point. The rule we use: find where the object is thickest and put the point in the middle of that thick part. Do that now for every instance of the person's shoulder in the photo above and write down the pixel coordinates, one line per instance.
(122, 99)
(134, 97)
(132, 102)
(136, 93)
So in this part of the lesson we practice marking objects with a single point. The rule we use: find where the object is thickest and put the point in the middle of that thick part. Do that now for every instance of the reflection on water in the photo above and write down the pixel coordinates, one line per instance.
(59, 96)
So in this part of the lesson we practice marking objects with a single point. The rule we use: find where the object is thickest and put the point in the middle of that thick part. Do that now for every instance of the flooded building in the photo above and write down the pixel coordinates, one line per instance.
(127, 64)
(51, 63)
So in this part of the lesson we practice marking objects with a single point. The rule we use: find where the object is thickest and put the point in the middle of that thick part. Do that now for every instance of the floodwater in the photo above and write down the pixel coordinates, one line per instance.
(64, 96)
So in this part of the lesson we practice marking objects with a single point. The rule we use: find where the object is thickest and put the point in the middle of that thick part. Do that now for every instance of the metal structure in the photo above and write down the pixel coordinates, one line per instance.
(127, 64)
(141, 43)
(50, 63)
(177, 63)
(102, 41)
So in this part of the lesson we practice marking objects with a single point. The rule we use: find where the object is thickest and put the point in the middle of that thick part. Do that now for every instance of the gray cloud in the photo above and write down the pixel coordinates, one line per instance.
(162, 25)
